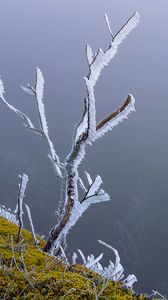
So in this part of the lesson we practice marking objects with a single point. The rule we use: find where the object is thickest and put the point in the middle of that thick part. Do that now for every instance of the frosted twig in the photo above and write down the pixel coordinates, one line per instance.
(129, 281)
(11, 107)
(126, 28)
(43, 131)
(82, 185)
(156, 293)
(117, 269)
(89, 55)
(28, 89)
(94, 188)
(37, 131)
(39, 91)
(74, 257)
(82, 256)
(116, 117)
(86, 132)
(108, 25)
(31, 224)
(21, 193)
(88, 177)
(93, 261)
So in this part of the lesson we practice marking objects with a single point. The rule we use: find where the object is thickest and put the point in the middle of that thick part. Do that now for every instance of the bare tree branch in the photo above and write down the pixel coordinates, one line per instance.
(43, 131)
(108, 25)
(94, 188)
(39, 91)
(21, 193)
(86, 132)
(11, 107)
(89, 55)
(126, 28)
(116, 117)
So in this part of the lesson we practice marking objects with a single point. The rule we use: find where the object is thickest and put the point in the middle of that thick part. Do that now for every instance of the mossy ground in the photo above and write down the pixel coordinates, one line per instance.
(28, 273)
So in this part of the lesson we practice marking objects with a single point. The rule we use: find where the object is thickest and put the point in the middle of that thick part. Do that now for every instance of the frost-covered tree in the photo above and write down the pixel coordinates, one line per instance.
(71, 205)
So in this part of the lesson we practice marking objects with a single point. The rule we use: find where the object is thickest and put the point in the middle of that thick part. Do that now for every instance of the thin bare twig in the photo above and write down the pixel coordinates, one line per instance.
(114, 114)
(31, 224)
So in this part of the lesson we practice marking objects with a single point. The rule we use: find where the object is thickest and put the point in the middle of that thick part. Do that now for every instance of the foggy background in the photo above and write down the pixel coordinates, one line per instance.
(132, 159)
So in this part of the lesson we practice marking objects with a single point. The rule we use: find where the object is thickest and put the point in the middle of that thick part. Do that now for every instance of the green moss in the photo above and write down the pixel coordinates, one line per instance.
(28, 273)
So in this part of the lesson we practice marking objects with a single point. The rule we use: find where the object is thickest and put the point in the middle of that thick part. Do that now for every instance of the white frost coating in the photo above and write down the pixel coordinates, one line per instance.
(127, 28)
(89, 54)
(82, 256)
(102, 59)
(41, 109)
(108, 25)
(2, 91)
(79, 156)
(27, 89)
(22, 187)
(156, 293)
(91, 261)
(89, 179)
(74, 257)
(77, 211)
(129, 281)
(31, 224)
(30, 126)
(39, 94)
(63, 255)
(82, 184)
(114, 271)
(11, 107)
(91, 110)
(94, 187)
(113, 249)
(116, 120)
(99, 267)
(55, 166)
(118, 269)
(94, 193)
(8, 214)
(74, 209)
(81, 127)
(23, 184)
(102, 196)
